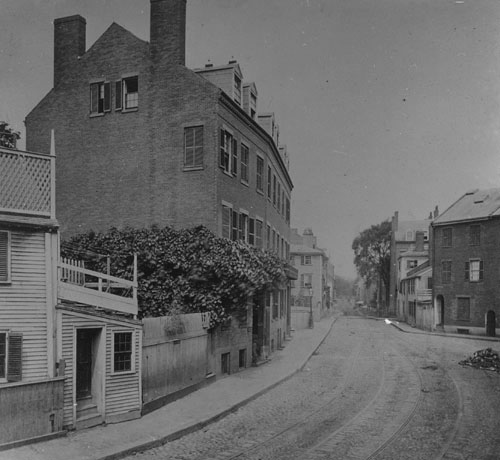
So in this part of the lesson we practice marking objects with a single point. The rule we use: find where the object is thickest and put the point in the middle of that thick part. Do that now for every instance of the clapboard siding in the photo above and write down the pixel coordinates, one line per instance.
(122, 391)
(23, 301)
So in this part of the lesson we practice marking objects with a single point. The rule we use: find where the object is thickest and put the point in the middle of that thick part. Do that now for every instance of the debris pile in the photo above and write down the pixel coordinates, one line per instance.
(483, 359)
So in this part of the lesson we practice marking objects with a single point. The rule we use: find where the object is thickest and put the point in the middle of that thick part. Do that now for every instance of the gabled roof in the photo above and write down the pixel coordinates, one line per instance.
(413, 225)
(473, 205)
(115, 32)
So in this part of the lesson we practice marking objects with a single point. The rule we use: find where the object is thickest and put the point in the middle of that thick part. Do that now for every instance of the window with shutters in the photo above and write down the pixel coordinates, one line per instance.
(251, 231)
(122, 352)
(243, 230)
(130, 91)
(245, 154)
(474, 270)
(4, 257)
(259, 177)
(234, 161)
(258, 233)
(226, 221)
(226, 151)
(100, 98)
(235, 229)
(193, 147)
(11, 350)
(269, 182)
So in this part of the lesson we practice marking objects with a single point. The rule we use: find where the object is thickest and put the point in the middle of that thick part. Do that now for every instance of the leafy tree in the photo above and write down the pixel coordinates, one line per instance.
(8, 137)
(372, 256)
(183, 271)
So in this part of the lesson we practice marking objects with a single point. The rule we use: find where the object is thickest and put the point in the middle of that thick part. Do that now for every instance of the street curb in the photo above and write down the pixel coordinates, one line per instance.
(198, 426)
(454, 336)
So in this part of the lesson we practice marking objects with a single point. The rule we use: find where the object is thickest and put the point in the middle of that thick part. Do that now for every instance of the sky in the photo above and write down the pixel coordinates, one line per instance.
(384, 105)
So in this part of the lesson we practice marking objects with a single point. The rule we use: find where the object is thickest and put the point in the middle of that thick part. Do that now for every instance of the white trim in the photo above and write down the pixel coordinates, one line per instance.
(259, 218)
(226, 128)
(244, 211)
(132, 352)
(227, 204)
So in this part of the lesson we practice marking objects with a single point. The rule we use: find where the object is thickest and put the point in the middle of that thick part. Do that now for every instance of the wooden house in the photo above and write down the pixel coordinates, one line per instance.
(69, 351)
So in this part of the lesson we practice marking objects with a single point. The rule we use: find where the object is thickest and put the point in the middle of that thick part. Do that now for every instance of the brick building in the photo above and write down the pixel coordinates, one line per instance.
(403, 239)
(312, 293)
(146, 141)
(466, 263)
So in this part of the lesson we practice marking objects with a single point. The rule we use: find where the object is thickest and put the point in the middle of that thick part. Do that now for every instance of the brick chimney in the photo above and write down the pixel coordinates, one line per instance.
(69, 44)
(168, 31)
(419, 243)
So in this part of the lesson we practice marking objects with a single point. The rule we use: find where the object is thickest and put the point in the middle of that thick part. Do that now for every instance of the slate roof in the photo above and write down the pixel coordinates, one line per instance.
(473, 205)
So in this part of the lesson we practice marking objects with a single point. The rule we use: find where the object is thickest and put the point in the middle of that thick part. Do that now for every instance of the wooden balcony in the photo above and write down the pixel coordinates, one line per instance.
(27, 183)
(88, 287)
(424, 295)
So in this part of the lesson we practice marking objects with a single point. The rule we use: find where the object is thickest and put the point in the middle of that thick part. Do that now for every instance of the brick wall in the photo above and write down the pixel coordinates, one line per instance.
(483, 294)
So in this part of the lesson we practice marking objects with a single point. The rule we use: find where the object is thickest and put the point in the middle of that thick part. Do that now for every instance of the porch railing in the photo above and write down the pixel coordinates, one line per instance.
(27, 183)
(88, 287)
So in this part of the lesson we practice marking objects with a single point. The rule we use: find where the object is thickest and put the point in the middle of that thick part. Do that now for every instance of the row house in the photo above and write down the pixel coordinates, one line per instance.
(403, 240)
(146, 141)
(312, 293)
(416, 297)
(466, 264)
(69, 349)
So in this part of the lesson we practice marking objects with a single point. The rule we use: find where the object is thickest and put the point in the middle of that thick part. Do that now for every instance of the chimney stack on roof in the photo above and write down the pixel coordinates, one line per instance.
(436, 212)
(168, 31)
(69, 44)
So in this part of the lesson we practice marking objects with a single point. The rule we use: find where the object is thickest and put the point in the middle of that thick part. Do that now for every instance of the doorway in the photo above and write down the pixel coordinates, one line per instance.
(89, 367)
(490, 323)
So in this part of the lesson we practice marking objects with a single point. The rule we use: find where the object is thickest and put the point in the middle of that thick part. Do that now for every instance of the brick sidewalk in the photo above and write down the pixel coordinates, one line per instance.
(184, 415)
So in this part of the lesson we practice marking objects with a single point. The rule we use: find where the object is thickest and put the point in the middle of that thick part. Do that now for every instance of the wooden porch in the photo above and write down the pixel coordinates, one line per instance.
(88, 287)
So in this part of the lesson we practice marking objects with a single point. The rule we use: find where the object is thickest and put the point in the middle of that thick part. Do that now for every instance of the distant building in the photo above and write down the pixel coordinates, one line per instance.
(403, 239)
(466, 263)
(416, 297)
(313, 291)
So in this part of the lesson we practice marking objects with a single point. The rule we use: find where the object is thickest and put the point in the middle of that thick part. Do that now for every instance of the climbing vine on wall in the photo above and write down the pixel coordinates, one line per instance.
(184, 271)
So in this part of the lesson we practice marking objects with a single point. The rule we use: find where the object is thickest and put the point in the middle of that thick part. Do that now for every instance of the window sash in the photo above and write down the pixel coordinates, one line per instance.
(131, 92)
(122, 356)
(244, 162)
(193, 146)
(226, 144)
(251, 231)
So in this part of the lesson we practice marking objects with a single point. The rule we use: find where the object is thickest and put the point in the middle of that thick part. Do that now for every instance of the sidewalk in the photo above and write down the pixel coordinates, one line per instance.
(184, 415)
(405, 327)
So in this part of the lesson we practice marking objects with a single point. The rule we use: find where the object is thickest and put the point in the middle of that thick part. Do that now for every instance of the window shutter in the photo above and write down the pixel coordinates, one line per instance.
(14, 359)
(107, 96)
(234, 169)
(235, 226)
(94, 97)
(198, 146)
(481, 274)
(118, 95)
(251, 231)
(467, 271)
(226, 222)
(4, 256)
(222, 148)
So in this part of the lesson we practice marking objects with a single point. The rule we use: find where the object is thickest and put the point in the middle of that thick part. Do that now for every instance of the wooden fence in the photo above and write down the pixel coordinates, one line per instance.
(30, 409)
(175, 358)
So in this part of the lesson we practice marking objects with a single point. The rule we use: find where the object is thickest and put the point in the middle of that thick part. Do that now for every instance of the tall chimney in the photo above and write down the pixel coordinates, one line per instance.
(168, 31)
(69, 44)
(436, 212)
(419, 243)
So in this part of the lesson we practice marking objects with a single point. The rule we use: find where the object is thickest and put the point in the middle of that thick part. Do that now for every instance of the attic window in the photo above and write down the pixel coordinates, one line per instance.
(131, 92)
(100, 97)
(237, 89)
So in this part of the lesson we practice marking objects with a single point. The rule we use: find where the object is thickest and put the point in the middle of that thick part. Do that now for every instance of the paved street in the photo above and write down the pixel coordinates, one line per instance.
(370, 391)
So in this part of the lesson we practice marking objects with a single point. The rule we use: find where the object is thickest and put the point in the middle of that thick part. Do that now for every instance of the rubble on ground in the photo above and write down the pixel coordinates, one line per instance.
(483, 359)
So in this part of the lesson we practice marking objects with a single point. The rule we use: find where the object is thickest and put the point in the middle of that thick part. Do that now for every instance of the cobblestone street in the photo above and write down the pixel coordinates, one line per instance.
(371, 391)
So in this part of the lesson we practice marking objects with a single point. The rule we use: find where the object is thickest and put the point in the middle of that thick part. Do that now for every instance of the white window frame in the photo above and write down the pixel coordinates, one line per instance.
(132, 352)
(474, 273)
(194, 147)
(7, 258)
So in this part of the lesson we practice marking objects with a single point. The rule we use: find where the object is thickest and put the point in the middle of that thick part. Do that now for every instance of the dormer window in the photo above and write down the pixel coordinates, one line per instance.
(237, 89)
